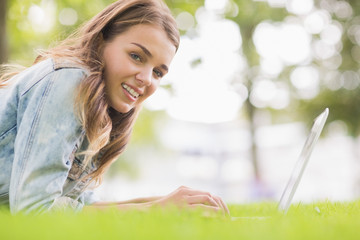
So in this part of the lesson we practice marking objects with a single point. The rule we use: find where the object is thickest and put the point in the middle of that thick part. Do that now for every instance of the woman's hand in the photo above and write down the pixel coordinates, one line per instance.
(187, 197)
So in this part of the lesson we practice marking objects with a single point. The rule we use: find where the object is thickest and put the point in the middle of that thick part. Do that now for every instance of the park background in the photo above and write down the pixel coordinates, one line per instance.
(233, 112)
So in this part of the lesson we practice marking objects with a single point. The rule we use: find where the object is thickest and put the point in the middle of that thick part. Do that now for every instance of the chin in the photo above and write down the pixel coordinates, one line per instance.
(122, 109)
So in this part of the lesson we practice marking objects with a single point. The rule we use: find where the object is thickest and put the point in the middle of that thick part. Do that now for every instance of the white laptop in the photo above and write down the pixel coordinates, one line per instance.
(290, 189)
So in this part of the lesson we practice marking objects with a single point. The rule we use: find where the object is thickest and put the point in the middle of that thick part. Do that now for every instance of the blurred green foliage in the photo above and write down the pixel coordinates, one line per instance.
(24, 40)
(343, 102)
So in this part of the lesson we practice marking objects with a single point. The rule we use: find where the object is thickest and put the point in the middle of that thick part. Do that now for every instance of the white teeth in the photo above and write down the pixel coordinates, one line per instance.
(130, 90)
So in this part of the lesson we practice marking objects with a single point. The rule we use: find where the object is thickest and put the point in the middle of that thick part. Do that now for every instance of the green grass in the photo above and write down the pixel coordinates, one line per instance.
(325, 220)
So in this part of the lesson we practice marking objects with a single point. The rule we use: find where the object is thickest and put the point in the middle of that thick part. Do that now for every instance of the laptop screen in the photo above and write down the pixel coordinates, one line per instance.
(301, 163)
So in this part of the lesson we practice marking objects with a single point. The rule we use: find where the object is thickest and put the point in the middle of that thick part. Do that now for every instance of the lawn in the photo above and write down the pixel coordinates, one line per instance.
(324, 220)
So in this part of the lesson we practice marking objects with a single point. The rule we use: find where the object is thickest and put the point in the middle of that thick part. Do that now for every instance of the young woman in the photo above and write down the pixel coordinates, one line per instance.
(64, 120)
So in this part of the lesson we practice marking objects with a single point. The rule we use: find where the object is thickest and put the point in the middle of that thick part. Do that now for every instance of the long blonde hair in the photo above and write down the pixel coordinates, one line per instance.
(107, 131)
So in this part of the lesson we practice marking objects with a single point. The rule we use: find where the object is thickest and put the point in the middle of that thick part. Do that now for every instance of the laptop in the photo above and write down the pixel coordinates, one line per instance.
(295, 177)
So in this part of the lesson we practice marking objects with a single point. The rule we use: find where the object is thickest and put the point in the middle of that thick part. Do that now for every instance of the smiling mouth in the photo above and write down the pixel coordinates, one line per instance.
(131, 91)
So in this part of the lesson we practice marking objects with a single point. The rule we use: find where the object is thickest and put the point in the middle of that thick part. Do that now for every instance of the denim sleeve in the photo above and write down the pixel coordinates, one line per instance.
(65, 203)
(90, 197)
(47, 133)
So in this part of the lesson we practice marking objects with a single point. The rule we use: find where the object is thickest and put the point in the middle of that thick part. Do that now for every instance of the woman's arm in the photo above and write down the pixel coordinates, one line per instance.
(137, 203)
(182, 197)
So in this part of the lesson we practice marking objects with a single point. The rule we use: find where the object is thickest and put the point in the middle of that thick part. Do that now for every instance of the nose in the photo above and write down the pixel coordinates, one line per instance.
(144, 76)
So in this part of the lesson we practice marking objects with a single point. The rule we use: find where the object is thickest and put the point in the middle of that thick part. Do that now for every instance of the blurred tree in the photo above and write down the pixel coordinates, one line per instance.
(340, 89)
(339, 75)
(249, 16)
(3, 36)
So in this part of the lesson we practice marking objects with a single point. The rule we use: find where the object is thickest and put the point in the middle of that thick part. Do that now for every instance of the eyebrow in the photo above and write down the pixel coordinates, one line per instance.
(163, 66)
(148, 53)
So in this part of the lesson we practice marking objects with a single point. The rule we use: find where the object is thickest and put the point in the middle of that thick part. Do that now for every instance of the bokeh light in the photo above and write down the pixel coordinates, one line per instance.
(68, 16)
(299, 7)
(288, 42)
(332, 33)
(316, 21)
(216, 5)
(42, 17)
(185, 20)
(306, 80)
(342, 9)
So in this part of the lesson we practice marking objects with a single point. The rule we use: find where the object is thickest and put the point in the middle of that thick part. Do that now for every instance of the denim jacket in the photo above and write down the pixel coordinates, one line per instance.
(40, 137)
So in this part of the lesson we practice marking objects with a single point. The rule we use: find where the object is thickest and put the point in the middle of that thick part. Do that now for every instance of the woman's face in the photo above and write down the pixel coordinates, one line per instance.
(135, 62)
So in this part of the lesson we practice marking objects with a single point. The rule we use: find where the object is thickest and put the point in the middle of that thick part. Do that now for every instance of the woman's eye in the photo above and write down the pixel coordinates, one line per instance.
(158, 73)
(135, 57)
